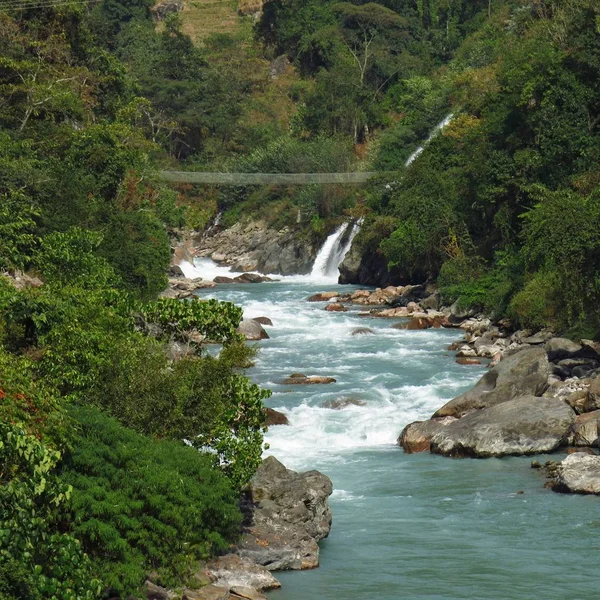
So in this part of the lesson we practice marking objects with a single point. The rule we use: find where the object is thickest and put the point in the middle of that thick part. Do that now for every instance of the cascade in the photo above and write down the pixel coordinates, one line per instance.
(338, 244)
(435, 131)
(333, 251)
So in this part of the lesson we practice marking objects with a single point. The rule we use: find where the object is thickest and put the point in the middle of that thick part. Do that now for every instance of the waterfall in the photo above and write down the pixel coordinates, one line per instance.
(434, 132)
(333, 251)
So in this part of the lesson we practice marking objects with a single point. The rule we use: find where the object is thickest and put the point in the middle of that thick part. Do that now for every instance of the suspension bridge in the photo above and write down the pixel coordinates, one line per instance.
(243, 179)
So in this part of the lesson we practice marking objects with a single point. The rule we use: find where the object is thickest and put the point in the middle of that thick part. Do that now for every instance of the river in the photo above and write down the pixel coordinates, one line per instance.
(405, 526)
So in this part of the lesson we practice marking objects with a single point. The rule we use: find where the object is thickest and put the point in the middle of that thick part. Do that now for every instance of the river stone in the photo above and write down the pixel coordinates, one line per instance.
(233, 570)
(341, 403)
(524, 425)
(579, 473)
(323, 297)
(559, 348)
(585, 429)
(290, 515)
(252, 330)
(263, 321)
(299, 379)
(523, 373)
(274, 417)
(416, 437)
(362, 331)
(464, 360)
(335, 307)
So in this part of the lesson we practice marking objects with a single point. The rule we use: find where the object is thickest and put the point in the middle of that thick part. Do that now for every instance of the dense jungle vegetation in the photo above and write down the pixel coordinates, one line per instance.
(502, 209)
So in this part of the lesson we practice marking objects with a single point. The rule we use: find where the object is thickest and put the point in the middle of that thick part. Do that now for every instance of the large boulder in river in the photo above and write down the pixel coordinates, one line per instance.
(290, 514)
(523, 373)
(525, 425)
(274, 417)
(416, 437)
(252, 330)
(579, 473)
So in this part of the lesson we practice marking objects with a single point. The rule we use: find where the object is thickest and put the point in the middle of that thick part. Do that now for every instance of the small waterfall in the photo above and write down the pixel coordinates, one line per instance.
(333, 251)
(213, 226)
(434, 132)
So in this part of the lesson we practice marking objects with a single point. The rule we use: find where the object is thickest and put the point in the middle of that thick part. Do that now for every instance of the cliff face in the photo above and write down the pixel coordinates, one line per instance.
(253, 246)
(366, 269)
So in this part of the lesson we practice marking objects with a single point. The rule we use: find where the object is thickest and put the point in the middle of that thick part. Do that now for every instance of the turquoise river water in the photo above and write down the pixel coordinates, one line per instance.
(406, 526)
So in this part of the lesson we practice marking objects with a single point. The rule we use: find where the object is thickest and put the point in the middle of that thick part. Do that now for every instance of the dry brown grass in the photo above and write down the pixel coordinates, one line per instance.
(201, 18)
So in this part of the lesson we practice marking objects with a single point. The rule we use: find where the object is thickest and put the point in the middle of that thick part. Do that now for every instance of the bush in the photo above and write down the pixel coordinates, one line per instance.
(202, 399)
(536, 304)
(37, 560)
(141, 505)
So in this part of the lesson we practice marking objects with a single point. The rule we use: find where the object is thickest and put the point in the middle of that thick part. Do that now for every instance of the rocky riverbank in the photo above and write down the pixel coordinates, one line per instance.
(287, 513)
(255, 246)
(540, 394)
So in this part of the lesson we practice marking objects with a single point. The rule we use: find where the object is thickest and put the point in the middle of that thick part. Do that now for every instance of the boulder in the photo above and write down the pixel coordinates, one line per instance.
(252, 330)
(232, 570)
(323, 297)
(362, 331)
(161, 11)
(463, 360)
(335, 307)
(594, 394)
(591, 348)
(524, 425)
(207, 592)
(559, 348)
(416, 437)
(523, 373)
(176, 271)
(263, 321)
(251, 278)
(274, 417)
(245, 592)
(432, 301)
(579, 473)
(585, 429)
(155, 592)
(290, 514)
(299, 379)
(341, 403)
(579, 401)
(223, 279)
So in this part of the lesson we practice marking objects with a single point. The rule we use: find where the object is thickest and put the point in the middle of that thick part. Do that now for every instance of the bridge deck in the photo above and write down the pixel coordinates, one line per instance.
(268, 178)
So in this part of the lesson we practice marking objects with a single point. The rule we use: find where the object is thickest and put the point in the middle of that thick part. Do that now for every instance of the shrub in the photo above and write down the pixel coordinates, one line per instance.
(37, 560)
(142, 505)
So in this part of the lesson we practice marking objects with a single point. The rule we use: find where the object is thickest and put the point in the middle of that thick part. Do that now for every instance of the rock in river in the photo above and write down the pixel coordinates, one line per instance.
(252, 330)
(290, 515)
(523, 373)
(416, 437)
(524, 425)
(579, 473)
(299, 379)
(274, 417)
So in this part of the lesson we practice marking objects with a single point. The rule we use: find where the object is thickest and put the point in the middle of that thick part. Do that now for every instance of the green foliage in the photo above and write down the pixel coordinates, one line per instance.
(170, 510)
(18, 238)
(37, 560)
(205, 400)
(72, 257)
(213, 320)
(536, 304)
